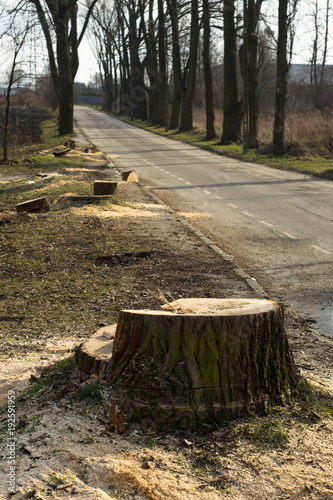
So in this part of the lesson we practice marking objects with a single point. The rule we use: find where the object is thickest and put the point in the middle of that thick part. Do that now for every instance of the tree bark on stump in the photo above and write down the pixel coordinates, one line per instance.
(105, 187)
(200, 363)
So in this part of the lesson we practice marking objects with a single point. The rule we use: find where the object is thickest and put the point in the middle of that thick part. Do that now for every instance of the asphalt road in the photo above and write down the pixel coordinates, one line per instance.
(277, 225)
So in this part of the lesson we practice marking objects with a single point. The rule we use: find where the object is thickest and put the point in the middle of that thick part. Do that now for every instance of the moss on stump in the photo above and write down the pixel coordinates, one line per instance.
(199, 362)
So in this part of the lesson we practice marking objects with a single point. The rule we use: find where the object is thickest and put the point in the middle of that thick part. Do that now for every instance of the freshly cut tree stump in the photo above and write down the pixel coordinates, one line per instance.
(130, 176)
(91, 148)
(105, 187)
(94, 354)
(77, 199)
(70, 144)
(199, 362)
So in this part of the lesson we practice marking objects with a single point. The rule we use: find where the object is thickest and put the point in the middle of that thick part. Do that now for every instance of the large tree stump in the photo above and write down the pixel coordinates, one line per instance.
(199, 362)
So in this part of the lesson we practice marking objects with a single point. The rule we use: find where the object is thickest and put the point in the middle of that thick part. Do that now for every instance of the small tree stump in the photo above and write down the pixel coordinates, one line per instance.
(70, 144)
(91, 148)
(94, 354)
(130, 176)
(36, 205)
(200, 362)
(105, 187)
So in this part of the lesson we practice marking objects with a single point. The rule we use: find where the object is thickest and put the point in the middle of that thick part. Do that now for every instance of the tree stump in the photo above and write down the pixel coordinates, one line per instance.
(105, 187)
(36, 205)
(130, 176)
(70, 144)
(199, 362)
(94, 353)
(91, 148)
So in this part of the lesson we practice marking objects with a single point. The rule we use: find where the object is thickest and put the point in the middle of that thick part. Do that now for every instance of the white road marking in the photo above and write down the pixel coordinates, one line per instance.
(172, 175)
(188, 183)
(321, 250)
(247, 213)
(180, 179)
(232, 205)
(207, 192)
(218, 197)
(266, 223)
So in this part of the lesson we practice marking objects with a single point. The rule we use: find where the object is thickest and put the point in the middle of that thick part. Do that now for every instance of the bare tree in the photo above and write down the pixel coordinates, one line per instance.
(287, 11)
(319, 55)
(18, 41)
(59, 22)
(186, 121)
(206, 55)
(232, 105)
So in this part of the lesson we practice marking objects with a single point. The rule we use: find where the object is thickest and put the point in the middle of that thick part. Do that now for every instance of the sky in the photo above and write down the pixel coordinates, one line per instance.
(88, 65)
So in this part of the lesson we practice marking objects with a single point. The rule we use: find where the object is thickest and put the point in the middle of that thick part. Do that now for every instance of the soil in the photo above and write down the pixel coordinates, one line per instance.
(68, 272)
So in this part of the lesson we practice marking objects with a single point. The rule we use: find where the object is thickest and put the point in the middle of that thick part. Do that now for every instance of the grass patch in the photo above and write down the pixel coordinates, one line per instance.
(90, 392)
(268, 432)
(30, 161)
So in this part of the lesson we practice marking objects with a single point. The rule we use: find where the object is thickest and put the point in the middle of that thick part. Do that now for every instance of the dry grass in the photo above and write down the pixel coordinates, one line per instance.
(307, 132)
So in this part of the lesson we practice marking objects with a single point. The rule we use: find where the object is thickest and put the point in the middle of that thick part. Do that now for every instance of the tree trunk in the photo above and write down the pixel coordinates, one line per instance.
(138, 102)
(252, 34)
(281, 81)
(209, 94)
(232, 107)
(162, 66)
(186, 120)
(60, 16)
(178, 87)
(200, 362)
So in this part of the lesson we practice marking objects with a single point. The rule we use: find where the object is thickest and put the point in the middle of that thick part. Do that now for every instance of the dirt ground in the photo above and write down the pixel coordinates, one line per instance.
(67, 272)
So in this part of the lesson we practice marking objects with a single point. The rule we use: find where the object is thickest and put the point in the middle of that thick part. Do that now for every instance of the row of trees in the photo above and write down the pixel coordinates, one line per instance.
(134, 39)
(148, 51)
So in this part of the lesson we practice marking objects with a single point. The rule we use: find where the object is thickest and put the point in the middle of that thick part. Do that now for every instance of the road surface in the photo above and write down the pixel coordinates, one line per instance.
(277, 225)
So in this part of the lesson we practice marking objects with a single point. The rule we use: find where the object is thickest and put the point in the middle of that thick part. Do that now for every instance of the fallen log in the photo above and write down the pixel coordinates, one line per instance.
(61, 152)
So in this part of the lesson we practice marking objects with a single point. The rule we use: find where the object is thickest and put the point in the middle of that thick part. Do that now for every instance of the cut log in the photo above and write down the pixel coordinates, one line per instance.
(37, 205)
(105, 187)
(130, 176)
(61, 152)
(200, 362)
